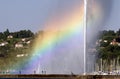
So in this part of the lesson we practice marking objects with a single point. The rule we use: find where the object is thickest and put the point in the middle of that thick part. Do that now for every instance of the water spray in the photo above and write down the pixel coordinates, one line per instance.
(85, 27)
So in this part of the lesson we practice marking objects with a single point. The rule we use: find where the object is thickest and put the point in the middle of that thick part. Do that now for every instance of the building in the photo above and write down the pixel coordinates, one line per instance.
(3, 43)
(116, 41)
(10, 36)
(18, 45)
(28, 42)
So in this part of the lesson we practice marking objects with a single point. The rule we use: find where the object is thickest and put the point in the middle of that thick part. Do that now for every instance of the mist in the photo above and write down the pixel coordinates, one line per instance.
(67, 57)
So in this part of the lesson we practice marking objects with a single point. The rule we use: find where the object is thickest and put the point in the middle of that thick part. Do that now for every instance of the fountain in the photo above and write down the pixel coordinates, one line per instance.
(62, 48)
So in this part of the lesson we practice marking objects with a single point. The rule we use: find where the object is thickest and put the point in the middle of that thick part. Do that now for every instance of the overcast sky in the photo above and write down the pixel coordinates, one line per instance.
(113, 22)
(32, 14)
(29, 14)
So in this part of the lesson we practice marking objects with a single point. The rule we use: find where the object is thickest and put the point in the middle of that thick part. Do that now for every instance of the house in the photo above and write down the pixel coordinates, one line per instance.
(21, 55)
(116, 41)
(23, 39)
(105, 41)
(28, 42)
(10, 36)
(18, 45)
(113, 42)
(3, 43)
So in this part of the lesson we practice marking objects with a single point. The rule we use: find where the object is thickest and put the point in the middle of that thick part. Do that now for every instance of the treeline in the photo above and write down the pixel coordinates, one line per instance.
(12, 44)
(109, 34)
(109, 50)
(18, 34)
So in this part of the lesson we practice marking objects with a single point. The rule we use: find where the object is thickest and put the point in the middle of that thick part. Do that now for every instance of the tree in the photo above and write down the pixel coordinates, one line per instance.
(6, 33)
(118, 33)
(23, 34)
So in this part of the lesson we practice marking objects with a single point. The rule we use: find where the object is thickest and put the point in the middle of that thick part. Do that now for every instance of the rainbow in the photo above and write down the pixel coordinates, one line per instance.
(68, 26)
(59, 30)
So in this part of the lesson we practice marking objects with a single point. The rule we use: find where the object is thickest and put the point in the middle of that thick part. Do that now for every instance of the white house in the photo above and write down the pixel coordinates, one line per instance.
(105, 41)
(23, 39)
(3, 43)
(21, 55)
(28, 42)
(18, 45)
(10, 36)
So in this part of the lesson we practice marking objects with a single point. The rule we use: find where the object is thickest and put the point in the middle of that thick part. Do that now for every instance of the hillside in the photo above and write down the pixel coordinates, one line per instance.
(15, 48)
(108, 48)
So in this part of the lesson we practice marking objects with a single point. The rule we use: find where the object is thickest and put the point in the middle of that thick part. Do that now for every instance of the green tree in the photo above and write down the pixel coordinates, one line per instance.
(118, 33)
(6, 33)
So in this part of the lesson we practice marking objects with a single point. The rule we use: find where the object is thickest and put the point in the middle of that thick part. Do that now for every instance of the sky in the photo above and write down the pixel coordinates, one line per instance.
(113, 22)
(32, 14)
(29, 14)
(24, 14)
